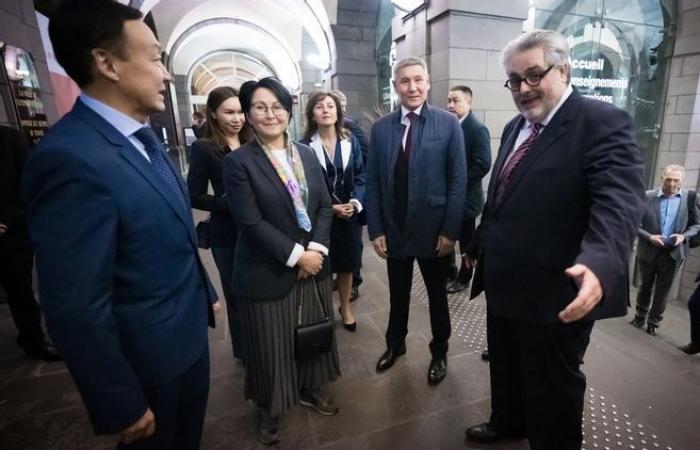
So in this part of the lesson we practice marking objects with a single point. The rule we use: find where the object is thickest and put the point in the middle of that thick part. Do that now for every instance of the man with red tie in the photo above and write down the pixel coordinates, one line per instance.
(563, 206)
(416, 186)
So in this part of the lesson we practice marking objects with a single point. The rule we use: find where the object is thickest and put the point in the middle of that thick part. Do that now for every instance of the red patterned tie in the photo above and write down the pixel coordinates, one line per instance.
(512, 164)
(412, 119)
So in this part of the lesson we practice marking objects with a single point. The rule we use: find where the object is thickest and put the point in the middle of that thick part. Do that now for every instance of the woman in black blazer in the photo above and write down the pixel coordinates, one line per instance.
(340, 156)
(280, 203)
(225, 130)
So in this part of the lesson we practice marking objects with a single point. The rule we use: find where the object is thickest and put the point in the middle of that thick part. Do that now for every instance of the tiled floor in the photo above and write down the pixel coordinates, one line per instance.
(643, 393)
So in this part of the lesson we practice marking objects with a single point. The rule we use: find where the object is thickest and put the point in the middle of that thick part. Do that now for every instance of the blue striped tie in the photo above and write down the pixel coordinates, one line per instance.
(154, 150)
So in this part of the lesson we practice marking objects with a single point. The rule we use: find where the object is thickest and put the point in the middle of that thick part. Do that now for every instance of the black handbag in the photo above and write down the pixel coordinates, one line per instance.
(316, 338)
(203, 231)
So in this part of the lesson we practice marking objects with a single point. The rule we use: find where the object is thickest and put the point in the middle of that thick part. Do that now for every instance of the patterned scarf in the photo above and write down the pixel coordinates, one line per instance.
(298, 189)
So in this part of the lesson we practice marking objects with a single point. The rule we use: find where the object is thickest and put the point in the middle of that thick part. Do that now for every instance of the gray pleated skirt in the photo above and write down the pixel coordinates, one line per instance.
(273, 375)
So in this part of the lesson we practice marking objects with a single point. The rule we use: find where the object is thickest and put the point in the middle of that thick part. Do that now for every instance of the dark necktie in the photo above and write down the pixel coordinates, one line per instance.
(412, 119)
(154, 150)
(512, 164)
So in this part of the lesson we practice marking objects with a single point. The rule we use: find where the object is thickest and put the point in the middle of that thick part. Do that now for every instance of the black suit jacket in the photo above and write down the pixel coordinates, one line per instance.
(267, 225)
(13, 153)
(477, 147)
(207, 165)
(577, 197)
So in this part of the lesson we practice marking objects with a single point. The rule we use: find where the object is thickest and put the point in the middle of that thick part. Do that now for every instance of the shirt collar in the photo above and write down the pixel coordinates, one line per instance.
(660, 193)
(405, 111)
(123, 123)
(567, 93)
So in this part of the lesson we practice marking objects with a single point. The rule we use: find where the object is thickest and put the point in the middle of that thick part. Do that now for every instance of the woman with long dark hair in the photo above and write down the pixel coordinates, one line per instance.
(225, 130)
(339, 154)
(281, 206)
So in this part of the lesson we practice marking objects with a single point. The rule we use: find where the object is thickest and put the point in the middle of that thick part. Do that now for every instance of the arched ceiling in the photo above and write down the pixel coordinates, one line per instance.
(269, 30)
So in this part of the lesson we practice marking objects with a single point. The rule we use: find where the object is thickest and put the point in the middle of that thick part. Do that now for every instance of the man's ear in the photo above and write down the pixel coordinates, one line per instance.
(105, 64)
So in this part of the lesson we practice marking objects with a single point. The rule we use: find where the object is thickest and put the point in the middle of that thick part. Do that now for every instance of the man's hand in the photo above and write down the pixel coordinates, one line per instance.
(469, 262)
(379, 245)
(444, 246)
(310, 262)
(657, 240)
(589, 293)
(216, 306)
(143, 428)
(3, 228)
(679, 239)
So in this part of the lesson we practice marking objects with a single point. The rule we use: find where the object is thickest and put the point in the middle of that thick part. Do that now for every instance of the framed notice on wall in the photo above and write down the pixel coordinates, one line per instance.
(24, 91)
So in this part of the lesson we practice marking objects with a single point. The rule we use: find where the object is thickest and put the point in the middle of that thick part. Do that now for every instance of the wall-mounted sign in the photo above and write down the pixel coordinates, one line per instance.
(587, 75)
(24, 86)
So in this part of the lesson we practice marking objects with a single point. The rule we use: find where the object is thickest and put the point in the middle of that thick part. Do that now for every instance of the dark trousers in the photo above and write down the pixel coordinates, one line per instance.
(400, 273)
(537, 387)
(657, 274)
(466, 234)
(16, 280)
(179, 407)
(694, 309)
(223, 258)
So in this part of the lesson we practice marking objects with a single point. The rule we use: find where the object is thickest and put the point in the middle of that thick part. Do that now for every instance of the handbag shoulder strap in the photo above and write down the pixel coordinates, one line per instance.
(319, 303)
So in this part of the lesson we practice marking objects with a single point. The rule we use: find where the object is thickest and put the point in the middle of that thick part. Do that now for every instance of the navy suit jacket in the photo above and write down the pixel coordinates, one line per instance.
(124, 293)
(436, 188)
(267, 226)
(576, 197)
(477, 149)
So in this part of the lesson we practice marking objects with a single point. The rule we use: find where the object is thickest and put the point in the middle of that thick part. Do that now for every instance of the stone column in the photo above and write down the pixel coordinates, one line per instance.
(355, 69)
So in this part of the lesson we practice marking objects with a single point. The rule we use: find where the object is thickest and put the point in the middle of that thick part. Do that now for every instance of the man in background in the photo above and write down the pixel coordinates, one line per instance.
(670, 218)
(16, 255)
(477, 150)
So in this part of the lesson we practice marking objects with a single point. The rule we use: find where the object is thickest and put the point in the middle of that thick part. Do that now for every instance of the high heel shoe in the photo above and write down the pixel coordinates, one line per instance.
(348, 326)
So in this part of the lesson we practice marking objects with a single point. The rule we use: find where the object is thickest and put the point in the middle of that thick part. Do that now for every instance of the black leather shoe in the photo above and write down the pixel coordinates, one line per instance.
(483, 433)
(690, 349)
(638, 322)
(651, 329)
(456, 286)
(437, 370)
(42, 350)
(389, 357)
(485, 355)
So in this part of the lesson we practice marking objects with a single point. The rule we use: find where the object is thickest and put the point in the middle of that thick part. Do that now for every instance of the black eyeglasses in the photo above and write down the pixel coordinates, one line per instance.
(532, 80)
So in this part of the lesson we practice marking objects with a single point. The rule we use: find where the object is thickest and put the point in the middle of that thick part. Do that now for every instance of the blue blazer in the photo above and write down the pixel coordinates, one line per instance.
(437, 182)
(123, 290)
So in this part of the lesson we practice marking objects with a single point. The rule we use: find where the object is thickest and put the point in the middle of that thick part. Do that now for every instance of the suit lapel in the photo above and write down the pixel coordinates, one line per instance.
(142, 166)
(345, 151)
(503, 153)
(682, 217)
(266, 167)
(317, 145)
(656, 216)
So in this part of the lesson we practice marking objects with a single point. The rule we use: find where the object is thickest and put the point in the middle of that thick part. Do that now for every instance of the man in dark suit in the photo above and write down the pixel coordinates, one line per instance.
(693, 347)
(125, 295)
(414, 202)
(477, 150)
(667, 224)
(563, 206)
(16, 255)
